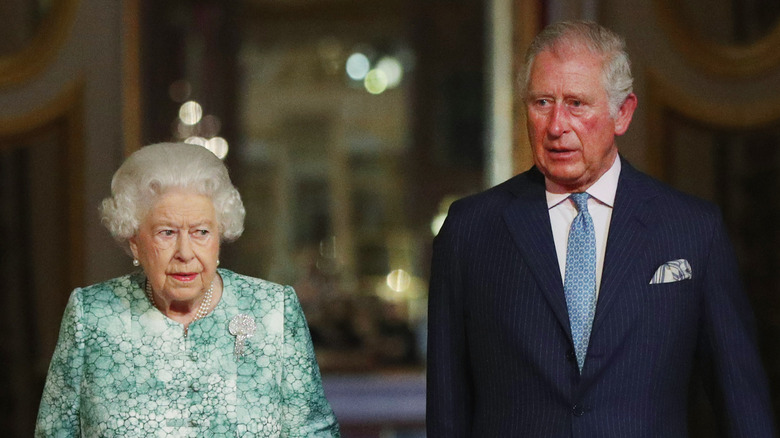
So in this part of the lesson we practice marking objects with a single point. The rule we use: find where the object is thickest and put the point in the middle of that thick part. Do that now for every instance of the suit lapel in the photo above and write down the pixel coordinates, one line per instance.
(631, 218)
(529, 224)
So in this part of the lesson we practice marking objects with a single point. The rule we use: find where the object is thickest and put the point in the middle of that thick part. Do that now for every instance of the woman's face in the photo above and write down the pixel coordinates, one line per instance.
(177, 244)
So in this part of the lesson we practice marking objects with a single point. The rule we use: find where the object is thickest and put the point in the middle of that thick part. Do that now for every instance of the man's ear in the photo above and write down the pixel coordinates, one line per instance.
(625, 114)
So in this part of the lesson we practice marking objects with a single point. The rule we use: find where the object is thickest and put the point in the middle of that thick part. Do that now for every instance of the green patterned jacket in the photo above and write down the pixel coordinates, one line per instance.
(121, 368)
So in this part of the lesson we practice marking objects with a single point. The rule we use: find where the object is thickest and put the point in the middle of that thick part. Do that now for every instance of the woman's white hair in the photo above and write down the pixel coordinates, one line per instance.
(153, 170)
(616, 71)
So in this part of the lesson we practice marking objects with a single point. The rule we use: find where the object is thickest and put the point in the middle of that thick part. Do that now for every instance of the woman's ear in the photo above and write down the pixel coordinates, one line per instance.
(133, 246)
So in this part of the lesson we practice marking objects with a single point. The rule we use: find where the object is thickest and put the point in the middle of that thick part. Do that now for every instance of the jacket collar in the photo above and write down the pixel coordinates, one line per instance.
(528, 221)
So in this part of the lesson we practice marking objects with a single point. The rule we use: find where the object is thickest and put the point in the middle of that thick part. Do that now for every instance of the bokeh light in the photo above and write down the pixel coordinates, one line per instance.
(200, 141)
(219, 146)
(399, 280)
(393, 70)
(357, 66)
(190, 112)
(375, 81)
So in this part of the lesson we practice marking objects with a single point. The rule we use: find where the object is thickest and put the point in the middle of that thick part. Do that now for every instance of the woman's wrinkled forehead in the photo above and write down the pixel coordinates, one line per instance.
(156, 192)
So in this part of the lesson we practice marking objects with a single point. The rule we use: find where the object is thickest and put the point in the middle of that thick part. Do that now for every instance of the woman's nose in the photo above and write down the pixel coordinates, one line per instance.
(184, 247)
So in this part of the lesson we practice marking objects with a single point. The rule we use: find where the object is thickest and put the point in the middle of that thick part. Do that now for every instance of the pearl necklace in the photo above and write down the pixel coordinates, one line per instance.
(203, 310)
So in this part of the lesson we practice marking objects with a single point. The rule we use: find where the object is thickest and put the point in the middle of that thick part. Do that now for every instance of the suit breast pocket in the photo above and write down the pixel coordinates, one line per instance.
(673, 305)
(674, 293)
(672, 285)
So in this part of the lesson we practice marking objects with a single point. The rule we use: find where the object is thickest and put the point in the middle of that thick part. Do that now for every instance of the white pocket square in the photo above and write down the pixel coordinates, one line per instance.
(675, 270)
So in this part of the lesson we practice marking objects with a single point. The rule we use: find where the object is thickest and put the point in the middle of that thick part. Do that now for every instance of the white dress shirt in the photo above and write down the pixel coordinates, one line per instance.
(562, 212)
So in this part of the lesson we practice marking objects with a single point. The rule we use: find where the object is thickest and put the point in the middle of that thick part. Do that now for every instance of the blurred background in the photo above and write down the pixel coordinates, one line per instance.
(348, 127)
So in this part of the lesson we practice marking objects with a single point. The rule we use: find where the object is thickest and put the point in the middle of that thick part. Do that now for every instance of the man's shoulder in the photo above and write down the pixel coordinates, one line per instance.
(494, 199)
(662, 196)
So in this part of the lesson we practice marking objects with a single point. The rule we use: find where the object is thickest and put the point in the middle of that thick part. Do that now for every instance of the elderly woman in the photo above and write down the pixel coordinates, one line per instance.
(181, 348)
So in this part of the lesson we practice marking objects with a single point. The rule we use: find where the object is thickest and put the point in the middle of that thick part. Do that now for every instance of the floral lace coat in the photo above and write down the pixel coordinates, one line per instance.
(121, 368)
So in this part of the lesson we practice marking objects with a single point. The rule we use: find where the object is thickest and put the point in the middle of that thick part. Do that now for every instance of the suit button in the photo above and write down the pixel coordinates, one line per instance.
(578, 410)
(571, 356)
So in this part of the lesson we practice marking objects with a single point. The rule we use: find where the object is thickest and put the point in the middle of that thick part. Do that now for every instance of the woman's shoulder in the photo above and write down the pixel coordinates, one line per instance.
(245, 285)
(124, 284)
(124, 287)
(100, 303)
(265, 300)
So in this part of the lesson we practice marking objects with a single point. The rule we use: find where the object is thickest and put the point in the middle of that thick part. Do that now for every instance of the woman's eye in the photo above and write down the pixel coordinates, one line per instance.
(167, 233)
(201, 233)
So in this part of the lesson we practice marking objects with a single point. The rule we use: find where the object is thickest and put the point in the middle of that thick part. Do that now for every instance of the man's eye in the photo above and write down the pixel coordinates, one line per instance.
(576, 103)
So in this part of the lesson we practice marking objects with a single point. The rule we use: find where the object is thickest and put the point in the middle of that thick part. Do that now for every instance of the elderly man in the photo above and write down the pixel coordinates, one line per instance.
(577, 299)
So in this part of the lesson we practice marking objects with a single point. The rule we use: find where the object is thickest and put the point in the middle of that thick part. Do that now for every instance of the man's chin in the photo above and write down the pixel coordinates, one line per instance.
(564, 173)
(569, 181)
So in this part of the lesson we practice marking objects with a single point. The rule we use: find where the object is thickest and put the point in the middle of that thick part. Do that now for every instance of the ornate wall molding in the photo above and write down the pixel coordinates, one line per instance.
(64, 118)
(664, 97)
(42, 152)
(725, 60)
(52, 33)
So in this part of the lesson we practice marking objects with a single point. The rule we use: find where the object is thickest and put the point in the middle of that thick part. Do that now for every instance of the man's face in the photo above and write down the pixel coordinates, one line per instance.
(571, 131)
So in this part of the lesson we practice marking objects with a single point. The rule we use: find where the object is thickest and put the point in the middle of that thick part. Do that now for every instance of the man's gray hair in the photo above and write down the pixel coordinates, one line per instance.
(616, 70)
(155, 169)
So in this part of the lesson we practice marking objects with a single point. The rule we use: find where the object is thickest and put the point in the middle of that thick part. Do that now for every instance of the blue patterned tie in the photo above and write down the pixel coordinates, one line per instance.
(579, 284)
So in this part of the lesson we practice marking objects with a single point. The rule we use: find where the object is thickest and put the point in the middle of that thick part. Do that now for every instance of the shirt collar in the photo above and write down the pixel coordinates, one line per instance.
(603, 189)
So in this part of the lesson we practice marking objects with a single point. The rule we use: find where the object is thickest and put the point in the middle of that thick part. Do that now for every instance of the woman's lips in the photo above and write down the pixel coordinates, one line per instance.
(185, 277)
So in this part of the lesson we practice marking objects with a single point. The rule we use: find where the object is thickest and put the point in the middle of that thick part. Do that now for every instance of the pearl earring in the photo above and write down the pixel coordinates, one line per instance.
(217, 262)
(136, 262)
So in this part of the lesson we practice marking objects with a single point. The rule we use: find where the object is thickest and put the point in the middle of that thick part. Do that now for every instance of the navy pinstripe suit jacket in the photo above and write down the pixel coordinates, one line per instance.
(500, 354)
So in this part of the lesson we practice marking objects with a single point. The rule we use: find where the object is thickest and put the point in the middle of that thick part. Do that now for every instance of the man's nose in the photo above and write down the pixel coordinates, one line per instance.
(558, 123)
